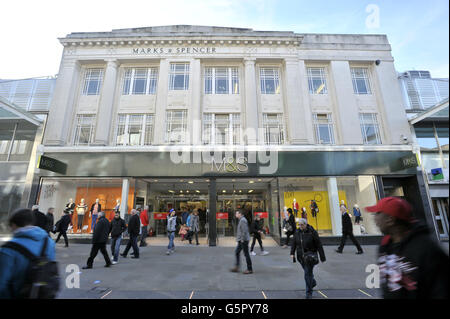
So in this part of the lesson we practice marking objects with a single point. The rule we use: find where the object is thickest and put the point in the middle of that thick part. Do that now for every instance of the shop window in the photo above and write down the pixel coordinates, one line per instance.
(369, 128)
(139, 81)
(323, 125)
(317, 81)
(269, 80)
(273, 129)
(92, 81)
(179, 76)
(360, 79)
(221, 80)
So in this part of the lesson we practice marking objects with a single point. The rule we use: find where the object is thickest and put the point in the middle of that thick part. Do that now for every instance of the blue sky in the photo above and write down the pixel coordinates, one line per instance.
(417, 30)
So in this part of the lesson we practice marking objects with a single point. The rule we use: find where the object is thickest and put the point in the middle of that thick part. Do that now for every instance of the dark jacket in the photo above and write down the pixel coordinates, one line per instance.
(70, 207)
(117, 227)
(347, 226)
(291, 221)
(256, 226)
(134, 225)
(415, 268)
(101, 231)
(311, 243)
(62, 224)
(40, 219)
(50, 222)
(99, 208)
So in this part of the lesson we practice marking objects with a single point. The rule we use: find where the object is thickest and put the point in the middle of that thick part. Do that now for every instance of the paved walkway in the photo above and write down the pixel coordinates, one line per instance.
(203, 272)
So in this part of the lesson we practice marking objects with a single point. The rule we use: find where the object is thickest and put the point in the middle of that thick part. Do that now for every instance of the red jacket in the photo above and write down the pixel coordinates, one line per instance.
(144, 218)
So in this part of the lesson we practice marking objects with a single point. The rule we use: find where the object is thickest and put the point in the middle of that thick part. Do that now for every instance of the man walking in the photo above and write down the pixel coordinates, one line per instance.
(61, 227)
(194, 226)
(14, 265)
(39, 218)
(347, 231)
(133, 229)
(99, 239)
(242, 238)
(144, 231)
(171, 228)
(50, 219)
(412, 265)
(117, 228)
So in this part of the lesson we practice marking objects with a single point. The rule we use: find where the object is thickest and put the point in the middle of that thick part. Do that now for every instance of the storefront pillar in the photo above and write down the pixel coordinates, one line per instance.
(212, 233)
(335, 213)
(124, 199)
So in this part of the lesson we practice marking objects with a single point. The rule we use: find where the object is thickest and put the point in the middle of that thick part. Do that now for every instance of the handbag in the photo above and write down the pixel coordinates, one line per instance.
(309, 257)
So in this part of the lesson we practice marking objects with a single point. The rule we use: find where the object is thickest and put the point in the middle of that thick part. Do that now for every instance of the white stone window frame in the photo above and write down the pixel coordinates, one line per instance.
(372, 122)
(365, 77)
(173, 72)
(318, 124)
(88, 77)
(279, 124)
(79, 125)
(147, 124)
(322, 75)
(172, 120)
(210, 73)
(210, 126)
(276, 79)
(151, 78)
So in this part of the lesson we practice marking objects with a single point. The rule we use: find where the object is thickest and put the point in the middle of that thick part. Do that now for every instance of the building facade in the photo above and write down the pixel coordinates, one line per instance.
(221, 119)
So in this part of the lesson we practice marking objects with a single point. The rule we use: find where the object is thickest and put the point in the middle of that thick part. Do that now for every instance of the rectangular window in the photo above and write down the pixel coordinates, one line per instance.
(221, 80)
(360, 79)
(273, 129)
(139, 81)
(317, 81)
(92, 81)
(270, 80)
(221, 128)
(369, 128)
(179, 76)
(176, 126)
(84, 129)
(134, 129)
(323, 126)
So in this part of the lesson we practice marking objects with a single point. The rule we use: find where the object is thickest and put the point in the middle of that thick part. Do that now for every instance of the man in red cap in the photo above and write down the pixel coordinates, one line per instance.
(412, 265)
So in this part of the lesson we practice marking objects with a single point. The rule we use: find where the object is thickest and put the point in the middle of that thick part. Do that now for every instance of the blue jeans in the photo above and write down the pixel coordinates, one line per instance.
(171, 236)
(309, 277)
(94, 221)
(115, 247)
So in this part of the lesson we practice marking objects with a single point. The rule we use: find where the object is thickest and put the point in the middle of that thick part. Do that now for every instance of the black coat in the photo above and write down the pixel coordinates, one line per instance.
(311, 242)
(99, 208)
(117, 227)
(291, 221)
(101, 231)
(347, 226)
(62, 224)
(256, 226)
(40, 219)
(50, 222)
(424, 267)
(134, 225)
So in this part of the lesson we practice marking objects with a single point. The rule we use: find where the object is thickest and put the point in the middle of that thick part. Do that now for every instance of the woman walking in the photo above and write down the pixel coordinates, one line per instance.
(290, 227)
(307, 244)
(194, 226)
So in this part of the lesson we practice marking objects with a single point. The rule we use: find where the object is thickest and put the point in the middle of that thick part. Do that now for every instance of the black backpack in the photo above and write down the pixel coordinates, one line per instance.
(42, 279)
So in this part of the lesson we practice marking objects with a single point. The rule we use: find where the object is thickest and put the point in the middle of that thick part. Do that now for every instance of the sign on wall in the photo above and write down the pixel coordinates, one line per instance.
(52, 165)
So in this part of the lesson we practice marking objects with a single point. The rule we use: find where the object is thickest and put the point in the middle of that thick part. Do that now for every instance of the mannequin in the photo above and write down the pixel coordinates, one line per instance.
(286, 217)
(304, 213)
(95, 209)
(295, 207)
(117, 207)
(70, 207)
(81, 210)
(314, 208)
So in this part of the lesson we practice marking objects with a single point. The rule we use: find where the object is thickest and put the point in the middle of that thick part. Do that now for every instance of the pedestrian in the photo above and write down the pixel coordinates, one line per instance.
(14, 265)
(307, 244)
(285, 218)
(347, 231)
(290, 227)
(50, 219)
(242, 238)
(62, 226)
(39, 218)
(256, 228)
(117, 228)
(133, 229)
(412, 265)
(194, 226)
(99, 240)
(144, 225)
(184, 225)
(357, 214)
(171, 229)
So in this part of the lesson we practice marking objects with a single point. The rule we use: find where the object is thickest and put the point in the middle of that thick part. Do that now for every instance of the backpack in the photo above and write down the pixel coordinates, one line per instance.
(41, 279)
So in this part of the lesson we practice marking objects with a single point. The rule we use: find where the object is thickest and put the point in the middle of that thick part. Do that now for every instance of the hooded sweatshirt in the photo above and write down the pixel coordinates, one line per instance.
(414, 268)
(13, 265)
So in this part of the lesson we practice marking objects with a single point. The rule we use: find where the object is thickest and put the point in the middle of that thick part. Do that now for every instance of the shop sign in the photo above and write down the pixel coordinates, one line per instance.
(231, 165)
(410, 161)
(179, 50)
(158, 215)
(262, 214)
(437, 174)
(221, 215)
(51, 164)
